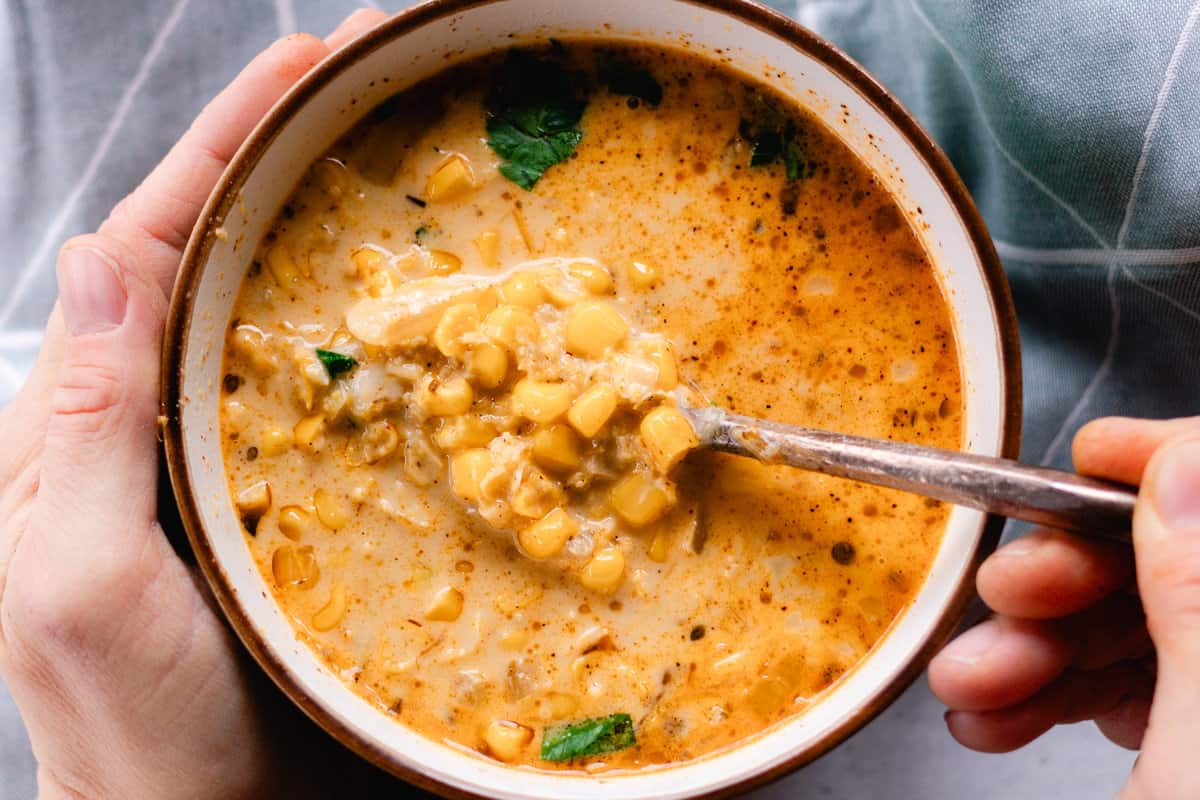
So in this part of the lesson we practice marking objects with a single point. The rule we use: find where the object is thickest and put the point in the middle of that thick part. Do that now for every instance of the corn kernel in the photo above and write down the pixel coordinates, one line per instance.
(536, 495)
(442, 262)
(460, 433)
(509, 324)
(422, 464)
(668, 437)
(559, 705)
(488, 245)
(663, 357)
(593, 327)
(330, 510)
(282, 266)
(767, 696)
(366, 260)
(505, 740)
(293, 522)
(447, 605)
(540, 401)
(639, 500)
(546, 537)
(594, 277)
(605, 571)
(446, 398)
(307, 432)
(333, 611)
(254, 500)
(659, 547)
(561, 293)
(488, 364)
(556, 449)
(522, 289)
(514, 639)
(592, 409)
(274, 441)
(379, 440)
(451, 179)
(295, 566)
(251, 343)
(467, 472)
(456, 322)
(643, 275)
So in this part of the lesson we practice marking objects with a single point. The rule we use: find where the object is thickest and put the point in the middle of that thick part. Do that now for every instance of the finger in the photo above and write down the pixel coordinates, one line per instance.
(1049, 574)
(1126, 724)
(998, 663)
(1166, 538)
(1118, 448)
(154, 222)
(359, 22)
(1074, 697)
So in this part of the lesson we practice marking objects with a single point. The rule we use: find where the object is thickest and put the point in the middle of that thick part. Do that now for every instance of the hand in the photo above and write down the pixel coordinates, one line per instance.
(127, 679)
(1076, 638)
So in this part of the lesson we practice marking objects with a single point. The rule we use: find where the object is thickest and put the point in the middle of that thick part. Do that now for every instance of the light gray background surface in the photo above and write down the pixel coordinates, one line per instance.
(1074, 123)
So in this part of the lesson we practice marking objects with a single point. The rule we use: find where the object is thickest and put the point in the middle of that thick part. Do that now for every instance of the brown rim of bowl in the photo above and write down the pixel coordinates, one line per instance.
(221, 201)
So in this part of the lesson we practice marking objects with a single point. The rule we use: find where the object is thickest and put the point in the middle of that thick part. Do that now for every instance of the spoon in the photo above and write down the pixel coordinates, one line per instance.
(1089, 507)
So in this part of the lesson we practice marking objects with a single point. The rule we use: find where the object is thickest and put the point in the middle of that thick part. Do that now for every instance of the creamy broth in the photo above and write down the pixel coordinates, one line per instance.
(793, 290)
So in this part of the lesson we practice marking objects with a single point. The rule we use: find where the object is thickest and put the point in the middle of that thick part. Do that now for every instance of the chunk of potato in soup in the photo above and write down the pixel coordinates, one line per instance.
(448, 408)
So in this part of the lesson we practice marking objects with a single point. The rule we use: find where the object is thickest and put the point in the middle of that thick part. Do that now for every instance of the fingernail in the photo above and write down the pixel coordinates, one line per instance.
(91, 290)
(1021, 546)
(1176, 488)
(972, 645)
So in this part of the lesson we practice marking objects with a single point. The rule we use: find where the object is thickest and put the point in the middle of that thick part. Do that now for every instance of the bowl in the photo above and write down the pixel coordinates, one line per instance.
(420, 42)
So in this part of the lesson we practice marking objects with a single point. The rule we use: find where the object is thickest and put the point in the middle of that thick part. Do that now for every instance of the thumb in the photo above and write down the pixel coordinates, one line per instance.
(1166, 531)
(99, 462)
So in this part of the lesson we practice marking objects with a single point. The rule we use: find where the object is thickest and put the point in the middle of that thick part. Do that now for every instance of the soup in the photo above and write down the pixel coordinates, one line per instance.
(450, 411)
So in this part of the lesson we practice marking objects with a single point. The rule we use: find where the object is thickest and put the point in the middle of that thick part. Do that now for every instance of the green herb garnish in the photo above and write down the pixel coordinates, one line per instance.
(772, 143)
(590, 737)
(336, 363)
(626, 79)
(532, 118)
(420, 233)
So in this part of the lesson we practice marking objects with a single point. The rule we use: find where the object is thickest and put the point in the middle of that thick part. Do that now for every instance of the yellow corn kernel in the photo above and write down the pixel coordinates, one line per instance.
(639, 500)
(307, 432)
(467, 472)
(663, 357)
(643, 275)
(330, 510)
(593, 327)
(767, 696)
(442, 262)
(460, 433)
(559, 705)
(546, 537)
(561, 293)
(523, 289)
(456, 322)
(451, 179)
(254, 500)
(282, 266)
(446, 398)
(251, 344)
(556, 449)
(505, 740)
(536, 495)
(333, 611)
(366, 260)
(509, 324)
(659, 546)
(514, 639)
(447, 605)
(293, 522)
(667, 436)
(488, 245)
(488, 364)
(379, 440)
(540, 401)
(594, 277)
(274, 441)
(592, 409)
(295, 566)
(605, 571)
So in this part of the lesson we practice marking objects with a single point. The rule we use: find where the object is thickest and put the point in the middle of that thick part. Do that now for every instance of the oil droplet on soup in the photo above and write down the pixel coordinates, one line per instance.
(448, 391)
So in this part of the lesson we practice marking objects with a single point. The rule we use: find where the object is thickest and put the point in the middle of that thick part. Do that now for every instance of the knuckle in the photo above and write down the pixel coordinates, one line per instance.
(86, 403)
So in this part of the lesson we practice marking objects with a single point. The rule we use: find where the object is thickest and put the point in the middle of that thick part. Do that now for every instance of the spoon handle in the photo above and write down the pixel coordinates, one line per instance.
(1051, 497)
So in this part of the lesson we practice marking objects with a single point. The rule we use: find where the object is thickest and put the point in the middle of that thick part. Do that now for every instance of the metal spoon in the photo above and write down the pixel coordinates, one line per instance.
(1093, 508)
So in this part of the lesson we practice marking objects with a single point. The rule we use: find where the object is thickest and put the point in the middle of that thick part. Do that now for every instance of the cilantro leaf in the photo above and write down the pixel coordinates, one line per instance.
(336, 363)
(772, 143)
(766, 148)
(588, 738)
(626, 79)
(532, 119)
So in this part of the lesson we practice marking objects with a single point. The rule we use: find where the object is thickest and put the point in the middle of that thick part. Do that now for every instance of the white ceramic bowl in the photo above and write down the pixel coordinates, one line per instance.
(420, 42)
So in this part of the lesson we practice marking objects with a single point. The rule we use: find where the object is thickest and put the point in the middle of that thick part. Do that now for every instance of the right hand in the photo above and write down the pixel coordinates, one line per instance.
(1078, 636)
